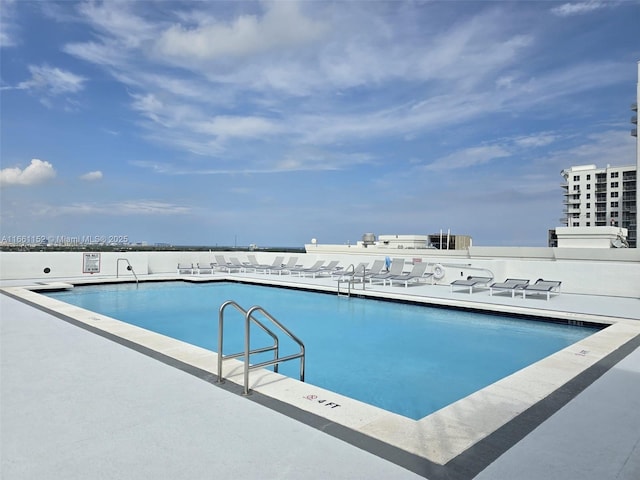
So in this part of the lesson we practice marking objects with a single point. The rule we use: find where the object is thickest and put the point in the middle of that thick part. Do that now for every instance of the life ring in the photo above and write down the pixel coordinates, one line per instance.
(438, 272)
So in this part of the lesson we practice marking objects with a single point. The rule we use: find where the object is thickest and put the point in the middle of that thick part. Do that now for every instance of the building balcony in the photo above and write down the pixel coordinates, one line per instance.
(634, 132)
(634, 119)
(634, 107)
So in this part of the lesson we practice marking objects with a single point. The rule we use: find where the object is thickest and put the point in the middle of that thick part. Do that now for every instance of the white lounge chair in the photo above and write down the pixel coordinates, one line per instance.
(253, 261)
(346, 274)
(223, 265)
(397, 266)
(236, 264)
(546, 287)
(204, 269)
(185, 268)
(510, 284)
(375, 269)
(221, 262)
(264, 268)
(315, 266)
(321, 270)
(291, 263)
(471, 282)
(417, 274)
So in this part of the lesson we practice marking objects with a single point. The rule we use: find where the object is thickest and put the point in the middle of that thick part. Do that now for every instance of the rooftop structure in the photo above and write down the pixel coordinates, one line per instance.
(591, 237)
(439, 241)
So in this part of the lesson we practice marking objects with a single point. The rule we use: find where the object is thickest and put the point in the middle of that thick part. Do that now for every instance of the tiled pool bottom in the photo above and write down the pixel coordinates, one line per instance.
(438, 438)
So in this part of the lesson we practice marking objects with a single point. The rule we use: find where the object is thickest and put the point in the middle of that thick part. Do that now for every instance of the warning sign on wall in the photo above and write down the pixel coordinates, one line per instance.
(91, 263)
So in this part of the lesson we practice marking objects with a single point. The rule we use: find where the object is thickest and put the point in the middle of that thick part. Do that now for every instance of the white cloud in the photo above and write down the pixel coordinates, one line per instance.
(578, 8)
(398, 120)
(91, 176)
(177, 86)
(7, 25)
(107, 53)
(614, 147)
(146, 207)
(297, 160)
(537, 140)
(318, 160)
(150, 106)
(312, 74)
(117, 19)
(281, 26)
(505, 82)
(37, 172)
(471, 50)
(468, 157)
(129, 207)
(226, 126)
(52, 81)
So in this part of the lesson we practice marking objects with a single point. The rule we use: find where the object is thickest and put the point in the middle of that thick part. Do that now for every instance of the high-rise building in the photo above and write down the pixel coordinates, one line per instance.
(600, 197)
(634, 132)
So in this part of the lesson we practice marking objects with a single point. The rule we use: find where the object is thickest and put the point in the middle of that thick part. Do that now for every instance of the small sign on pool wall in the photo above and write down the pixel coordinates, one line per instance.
(90, 263)
(323, 401)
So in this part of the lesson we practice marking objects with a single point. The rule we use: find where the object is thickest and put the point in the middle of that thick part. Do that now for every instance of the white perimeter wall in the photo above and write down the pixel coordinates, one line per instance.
(613, 272)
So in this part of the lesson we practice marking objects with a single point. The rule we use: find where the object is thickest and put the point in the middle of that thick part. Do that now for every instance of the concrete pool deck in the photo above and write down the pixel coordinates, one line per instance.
(76, 405)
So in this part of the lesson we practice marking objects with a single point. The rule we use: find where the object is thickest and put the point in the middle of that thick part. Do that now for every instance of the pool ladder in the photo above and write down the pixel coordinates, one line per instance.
(349, 280)
(249, 318)
(129, 267)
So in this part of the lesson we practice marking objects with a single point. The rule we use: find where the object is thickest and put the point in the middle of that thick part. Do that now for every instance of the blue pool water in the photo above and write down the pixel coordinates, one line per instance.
(408, 359)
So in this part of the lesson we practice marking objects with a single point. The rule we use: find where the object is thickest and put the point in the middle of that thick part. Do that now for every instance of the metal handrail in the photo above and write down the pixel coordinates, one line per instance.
(129, 267)
(349, 280)
(247, 341)
(275, 347)
(249, 317)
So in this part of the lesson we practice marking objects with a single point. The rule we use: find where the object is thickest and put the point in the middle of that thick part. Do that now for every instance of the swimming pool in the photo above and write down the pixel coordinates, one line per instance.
(408, 359)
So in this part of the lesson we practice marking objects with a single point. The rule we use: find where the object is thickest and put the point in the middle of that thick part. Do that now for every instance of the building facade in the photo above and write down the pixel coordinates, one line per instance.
(600, 197)
(634, 132)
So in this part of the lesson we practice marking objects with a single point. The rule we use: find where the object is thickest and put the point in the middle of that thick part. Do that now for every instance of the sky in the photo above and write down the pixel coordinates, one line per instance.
(275, 122)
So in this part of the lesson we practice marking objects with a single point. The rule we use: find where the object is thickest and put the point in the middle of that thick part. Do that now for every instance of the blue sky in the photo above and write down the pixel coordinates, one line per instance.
(272, 123)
